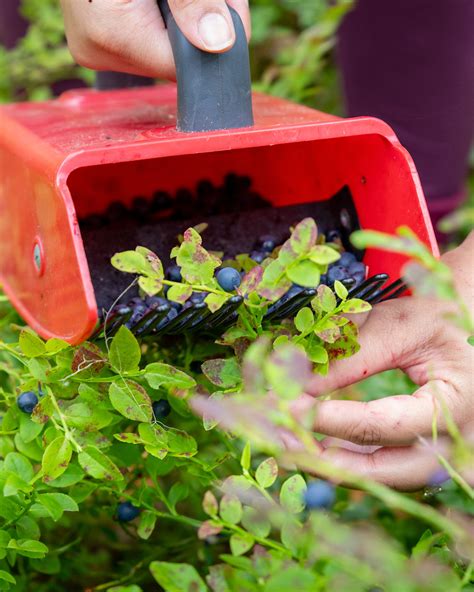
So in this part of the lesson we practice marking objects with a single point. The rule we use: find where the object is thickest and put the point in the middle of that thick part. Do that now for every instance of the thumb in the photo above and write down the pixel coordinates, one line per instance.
(207, 24)
(384, 338)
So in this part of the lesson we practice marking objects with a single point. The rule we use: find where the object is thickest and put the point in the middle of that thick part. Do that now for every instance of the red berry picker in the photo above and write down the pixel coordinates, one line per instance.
(96, 172)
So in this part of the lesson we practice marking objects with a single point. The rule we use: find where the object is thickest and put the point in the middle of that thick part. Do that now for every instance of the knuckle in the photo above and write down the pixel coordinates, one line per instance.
(367, 431)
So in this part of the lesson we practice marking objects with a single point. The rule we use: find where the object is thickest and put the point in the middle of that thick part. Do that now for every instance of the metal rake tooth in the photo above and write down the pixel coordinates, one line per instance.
(199, 321)
(360, 290)
(291, 307)
(366, 294)
(391, 291)
(194, 312)
(151, 320)
(348, 282)
(217, 318)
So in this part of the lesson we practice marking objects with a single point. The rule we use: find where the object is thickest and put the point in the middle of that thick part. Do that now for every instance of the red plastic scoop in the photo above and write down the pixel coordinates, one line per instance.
(66, 159)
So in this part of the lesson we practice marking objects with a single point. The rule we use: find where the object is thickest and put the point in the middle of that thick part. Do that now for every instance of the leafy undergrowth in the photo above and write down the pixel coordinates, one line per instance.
(159, 464)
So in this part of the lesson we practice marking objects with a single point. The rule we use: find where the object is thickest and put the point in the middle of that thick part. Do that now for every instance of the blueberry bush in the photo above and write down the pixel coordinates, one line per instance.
(133, 465)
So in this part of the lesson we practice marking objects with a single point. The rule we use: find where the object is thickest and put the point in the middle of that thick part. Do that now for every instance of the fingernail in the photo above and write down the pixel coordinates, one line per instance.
(215, 31)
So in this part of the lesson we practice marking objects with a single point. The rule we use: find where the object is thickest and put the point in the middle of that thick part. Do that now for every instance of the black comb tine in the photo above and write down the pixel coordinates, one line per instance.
(292, 306)
(151, 320)
(216, 319)
(166, 325)
(114, 321)
(199, 321)
(367, 292)
(377, 279)
(391, 291)
(186, 320)
(226, 323)
(276, 310)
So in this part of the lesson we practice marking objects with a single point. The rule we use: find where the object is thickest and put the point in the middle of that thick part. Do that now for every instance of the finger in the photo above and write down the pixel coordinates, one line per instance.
(393, 421)
(119, 36)
(207, 24)
(383, 339)
(405, 468)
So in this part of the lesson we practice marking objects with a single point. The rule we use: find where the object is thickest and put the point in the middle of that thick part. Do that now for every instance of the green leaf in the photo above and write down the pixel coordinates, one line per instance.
(304, 320)
(324, 255)
(355, 305)
(56, 458)
(246, 457)
(288, 371)
(267, 472)
(87, 417)
(305, 273)
(19, 465)
(153, 265)
(131, 400)
(230, 509)
(54, 345)
(216, 301)
(150, 285)
(131, 588)
(177, 577)
(255, 522)
(72, 475)
(340, 290)
(316, 352)
(291, 494)
(293, 577)
(125, 351)
(179, 293)
(30, 344)
(130, 262)
(177, 493)
(29, 429)
(197, 265)
(7, 577)
(241, 543)
(97, 465)
(181, 443)
(28, 548)
(470, 340)
(57, 503)
(325, 298)
(209, 504)
(146, 524)
(50, 565)
(304, 236)
(224, 373)
(157, 374)
(14, 484)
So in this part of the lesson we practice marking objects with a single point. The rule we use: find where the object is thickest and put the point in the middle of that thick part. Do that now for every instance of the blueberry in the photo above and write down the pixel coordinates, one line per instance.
(161, 409)
(323, 279)
(267, 243)
(228, 279)
(116, 211)
(359, 277)
(197, 297)
(140, 207)
(337, 273)
(27, 401)
(155, 301)
(319, 494)
(173, 273)
(356, 267)
(347, 259)
(176, 305)
(126, 511)
(257, 256)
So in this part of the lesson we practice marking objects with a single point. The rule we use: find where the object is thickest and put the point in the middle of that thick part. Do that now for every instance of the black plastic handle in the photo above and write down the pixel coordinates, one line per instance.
(214, 90)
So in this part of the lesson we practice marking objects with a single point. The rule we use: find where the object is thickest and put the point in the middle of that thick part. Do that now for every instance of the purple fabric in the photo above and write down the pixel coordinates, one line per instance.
(411, 63)
(12, 24)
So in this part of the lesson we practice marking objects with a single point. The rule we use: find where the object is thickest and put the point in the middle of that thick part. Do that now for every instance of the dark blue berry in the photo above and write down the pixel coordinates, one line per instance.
(319, 494)
(161, 201)
(197, 297)
(337, 273)
(347, 259)
(161, 409)
(257, 256)
(126, 511)
(323, 279)
(267, 243)
(27, 401)
(356, 267)
(228, 279)
(173, 273)
(155, 301)
(140, 207)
